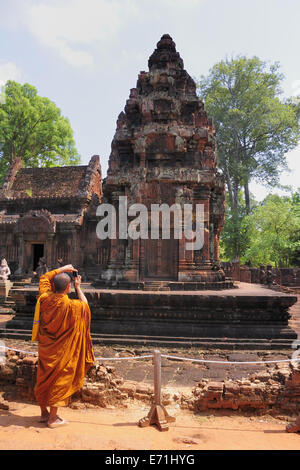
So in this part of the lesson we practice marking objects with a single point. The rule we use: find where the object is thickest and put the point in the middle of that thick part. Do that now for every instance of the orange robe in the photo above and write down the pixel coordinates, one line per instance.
(65, 346)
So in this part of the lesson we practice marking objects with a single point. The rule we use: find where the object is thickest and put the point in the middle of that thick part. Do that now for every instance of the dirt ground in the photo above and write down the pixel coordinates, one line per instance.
(117, 429)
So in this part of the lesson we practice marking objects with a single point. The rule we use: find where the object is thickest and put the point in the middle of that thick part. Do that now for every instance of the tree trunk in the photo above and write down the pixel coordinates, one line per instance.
(228, 182)
(247, 197)
(235, 208)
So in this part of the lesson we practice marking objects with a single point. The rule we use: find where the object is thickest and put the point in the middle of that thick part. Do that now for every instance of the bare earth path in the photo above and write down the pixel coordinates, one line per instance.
(117, 429)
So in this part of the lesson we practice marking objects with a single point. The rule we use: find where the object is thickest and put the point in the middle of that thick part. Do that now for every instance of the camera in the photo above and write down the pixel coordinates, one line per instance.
(75, 273)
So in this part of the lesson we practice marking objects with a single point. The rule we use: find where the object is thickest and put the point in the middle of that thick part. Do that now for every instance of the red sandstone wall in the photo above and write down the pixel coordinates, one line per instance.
(276, 390)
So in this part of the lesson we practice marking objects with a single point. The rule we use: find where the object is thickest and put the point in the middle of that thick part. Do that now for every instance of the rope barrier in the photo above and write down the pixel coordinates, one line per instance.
(228, 362)
(18, 350)
(170, 357)
(122, 358)
(96, 358)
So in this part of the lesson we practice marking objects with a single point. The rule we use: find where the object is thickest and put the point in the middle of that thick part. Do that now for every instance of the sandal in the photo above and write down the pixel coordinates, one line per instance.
(57, 424)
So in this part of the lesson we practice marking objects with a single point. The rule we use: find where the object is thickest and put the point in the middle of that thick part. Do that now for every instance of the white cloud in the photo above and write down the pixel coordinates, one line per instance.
(78, 29)
(9, 71)
(181, 3)
(72, 26)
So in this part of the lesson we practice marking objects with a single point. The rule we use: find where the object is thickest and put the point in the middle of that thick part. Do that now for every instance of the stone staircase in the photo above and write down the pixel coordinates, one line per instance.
(7, 303)
(294, 321)
(91, 273)
(156, 286)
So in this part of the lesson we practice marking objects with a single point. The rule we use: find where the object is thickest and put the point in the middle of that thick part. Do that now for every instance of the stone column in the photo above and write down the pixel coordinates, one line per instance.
(111, 273)
(49, 250)
(185, 257)
(204, 198)
(216, 246)
(76, 255)
(21, 260)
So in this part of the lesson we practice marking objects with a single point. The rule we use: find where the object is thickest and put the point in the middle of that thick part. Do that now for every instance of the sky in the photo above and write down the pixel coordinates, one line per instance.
(85, 55)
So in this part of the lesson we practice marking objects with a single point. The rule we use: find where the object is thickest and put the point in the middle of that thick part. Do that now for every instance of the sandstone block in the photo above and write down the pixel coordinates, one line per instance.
(129, 388)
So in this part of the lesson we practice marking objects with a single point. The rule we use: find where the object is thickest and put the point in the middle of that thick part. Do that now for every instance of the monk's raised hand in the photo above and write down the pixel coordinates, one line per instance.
(77, 281)
(68, 268)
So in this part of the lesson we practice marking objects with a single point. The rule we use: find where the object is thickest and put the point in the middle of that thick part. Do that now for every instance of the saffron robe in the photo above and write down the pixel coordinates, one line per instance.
(65, 346)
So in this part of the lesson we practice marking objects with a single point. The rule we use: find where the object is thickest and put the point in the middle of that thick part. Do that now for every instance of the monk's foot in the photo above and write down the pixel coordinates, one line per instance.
(56, 422)
(44, 417)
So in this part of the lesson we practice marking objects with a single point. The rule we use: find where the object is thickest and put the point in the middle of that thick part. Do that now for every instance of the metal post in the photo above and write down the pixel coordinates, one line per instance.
(158, 414)
(157, 377)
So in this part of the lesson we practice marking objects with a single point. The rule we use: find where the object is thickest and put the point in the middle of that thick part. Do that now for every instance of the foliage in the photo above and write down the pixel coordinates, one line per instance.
(269, 235)
(255, 128)
(237, 232)
(32, 127)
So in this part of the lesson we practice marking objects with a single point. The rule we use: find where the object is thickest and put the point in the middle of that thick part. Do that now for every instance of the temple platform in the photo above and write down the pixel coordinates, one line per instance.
(249, 316)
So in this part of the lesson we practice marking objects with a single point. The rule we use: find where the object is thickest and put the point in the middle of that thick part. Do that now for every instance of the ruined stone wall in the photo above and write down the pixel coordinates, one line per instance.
(289, 277)
(102, 387)
(275, 391)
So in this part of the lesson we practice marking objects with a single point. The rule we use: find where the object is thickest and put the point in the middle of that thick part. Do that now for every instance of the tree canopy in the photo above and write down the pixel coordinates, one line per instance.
(270, 234)
(275, 232)
(32, 128)
(255, 128)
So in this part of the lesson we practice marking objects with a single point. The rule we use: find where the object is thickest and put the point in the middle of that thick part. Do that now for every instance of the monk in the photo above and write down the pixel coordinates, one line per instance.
(64, 343)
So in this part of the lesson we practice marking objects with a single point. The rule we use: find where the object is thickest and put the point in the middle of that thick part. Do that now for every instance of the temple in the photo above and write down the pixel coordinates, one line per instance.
(49, 213)
(164, 152)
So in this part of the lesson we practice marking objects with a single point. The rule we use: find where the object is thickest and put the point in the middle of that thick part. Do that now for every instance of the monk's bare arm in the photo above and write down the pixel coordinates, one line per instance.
(79, 292)
(45, 284)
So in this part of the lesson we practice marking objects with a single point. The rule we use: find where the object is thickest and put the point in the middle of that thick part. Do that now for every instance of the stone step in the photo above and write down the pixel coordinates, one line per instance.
(156, 341)
(153, 288)
(156, 285)
(4, 310)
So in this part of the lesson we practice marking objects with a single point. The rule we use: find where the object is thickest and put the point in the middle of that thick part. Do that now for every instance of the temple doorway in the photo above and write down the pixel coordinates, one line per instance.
(37, 253)
(161, 259)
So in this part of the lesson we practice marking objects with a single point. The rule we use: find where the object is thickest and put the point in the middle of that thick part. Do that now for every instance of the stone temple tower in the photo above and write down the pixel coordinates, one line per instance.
(164, 152)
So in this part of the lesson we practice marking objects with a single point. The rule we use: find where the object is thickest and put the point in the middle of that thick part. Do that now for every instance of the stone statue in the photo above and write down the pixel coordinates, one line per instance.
(270, 276)
(40, 270)
(262, 274)
(4, 270)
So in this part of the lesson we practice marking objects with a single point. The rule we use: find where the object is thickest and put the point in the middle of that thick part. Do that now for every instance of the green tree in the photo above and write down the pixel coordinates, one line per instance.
(255, 128)
(32, 128)
(275, 232)
(238, 230)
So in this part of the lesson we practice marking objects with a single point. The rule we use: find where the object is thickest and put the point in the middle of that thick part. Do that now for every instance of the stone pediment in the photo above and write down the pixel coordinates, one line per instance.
(40, 221)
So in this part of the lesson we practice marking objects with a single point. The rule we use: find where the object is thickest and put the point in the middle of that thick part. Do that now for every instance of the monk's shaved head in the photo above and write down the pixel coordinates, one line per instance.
(61, 282)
